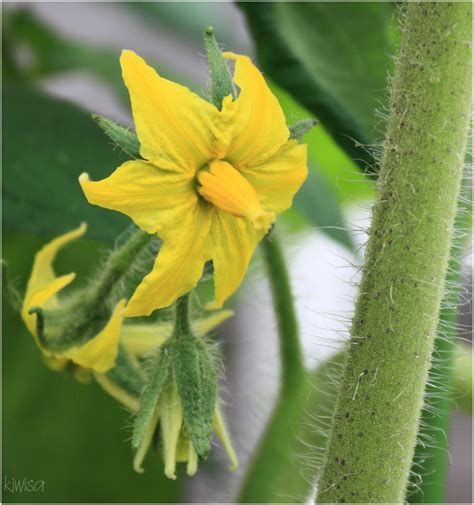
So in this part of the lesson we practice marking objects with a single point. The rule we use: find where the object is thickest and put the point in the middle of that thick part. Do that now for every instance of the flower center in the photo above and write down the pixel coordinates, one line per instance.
(228, 190)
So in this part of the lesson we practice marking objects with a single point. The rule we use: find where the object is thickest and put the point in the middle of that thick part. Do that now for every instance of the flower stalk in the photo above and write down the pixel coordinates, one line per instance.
(382, 391)
(290, 347)
(278, 442)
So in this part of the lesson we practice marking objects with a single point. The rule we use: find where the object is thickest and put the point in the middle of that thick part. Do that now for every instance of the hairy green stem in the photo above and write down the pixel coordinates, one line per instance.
(430, 464)
(277, 444)
(182, 323)
(83, 314)
(376, 422)
(119, 263)
(290, 347)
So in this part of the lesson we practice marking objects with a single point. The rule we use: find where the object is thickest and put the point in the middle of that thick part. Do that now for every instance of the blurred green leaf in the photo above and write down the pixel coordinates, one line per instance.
(317, 202)
(71, 436)
(46, 52)
(332, 57)
(326, 157)
(47, 145)
(189, 19)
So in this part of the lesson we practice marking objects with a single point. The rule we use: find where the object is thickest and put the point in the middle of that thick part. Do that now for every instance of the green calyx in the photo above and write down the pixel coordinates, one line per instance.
(179, 399)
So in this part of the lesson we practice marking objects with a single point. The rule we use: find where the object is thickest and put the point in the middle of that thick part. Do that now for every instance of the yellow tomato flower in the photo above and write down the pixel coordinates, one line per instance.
(97, 354)
(211, 181)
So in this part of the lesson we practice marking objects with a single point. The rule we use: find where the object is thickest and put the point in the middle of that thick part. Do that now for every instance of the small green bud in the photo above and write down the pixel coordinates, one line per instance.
(222, 83)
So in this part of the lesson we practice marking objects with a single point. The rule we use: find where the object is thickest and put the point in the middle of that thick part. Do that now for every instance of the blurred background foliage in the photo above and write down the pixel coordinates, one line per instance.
(325, 60)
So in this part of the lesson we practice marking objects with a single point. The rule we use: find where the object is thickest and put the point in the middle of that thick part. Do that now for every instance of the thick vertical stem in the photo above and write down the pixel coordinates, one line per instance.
(381, 397)
(430, 466)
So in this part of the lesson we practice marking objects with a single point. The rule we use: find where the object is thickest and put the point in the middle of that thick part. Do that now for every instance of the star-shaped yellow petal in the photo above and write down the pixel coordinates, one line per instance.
(211, 183)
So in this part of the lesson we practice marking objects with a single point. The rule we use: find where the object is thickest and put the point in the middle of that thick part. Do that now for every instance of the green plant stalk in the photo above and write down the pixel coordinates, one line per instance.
(183, 324)
(381, 396)
(430, 467)
(293, 448)
(277, 442)
(429, 479)
(293, 370)
(119, 263)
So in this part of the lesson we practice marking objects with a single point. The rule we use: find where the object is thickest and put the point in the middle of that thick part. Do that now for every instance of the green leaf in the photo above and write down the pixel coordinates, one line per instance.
(47, 145)
(317, 202)
(51, 53)
(340, 172)
(196, 378)
(188, 19)
(332, 57)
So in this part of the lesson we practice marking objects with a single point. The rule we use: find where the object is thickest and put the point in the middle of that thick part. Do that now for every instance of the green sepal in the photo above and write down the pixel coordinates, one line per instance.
(125, 139)
(11, 292)
(299, 129)
(159, 373)
(222, 83)
(196, 377)
(39, 323)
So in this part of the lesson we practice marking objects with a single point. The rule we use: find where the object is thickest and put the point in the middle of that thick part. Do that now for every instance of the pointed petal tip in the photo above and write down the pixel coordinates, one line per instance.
(127, 56)
(84, 177)
(127, 52)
